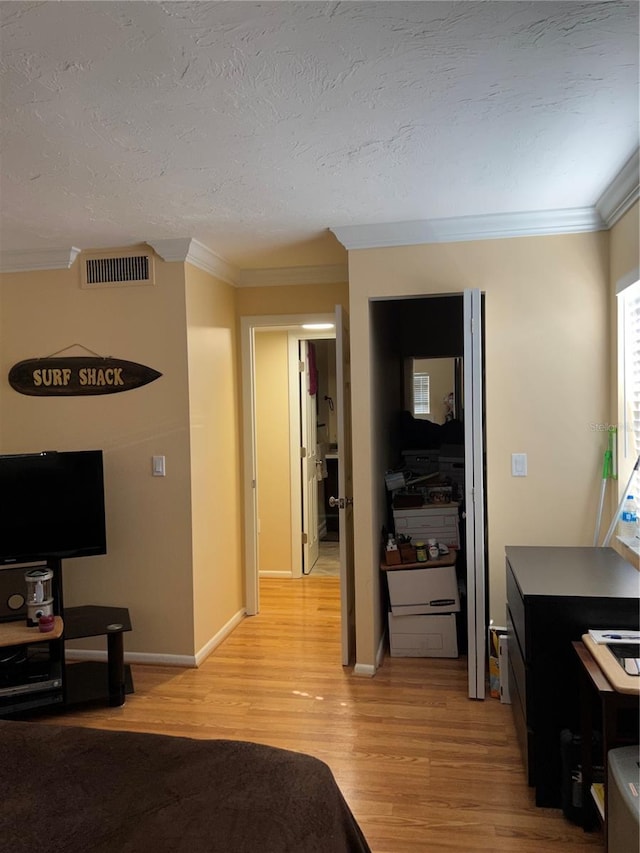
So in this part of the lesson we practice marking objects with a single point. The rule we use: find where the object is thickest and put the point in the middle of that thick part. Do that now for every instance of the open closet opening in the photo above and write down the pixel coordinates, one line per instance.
(422, 421)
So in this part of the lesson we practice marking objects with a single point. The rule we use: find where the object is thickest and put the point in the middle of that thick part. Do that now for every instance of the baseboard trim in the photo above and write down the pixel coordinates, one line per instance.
(364, 670)
(367, 670)
(222, 634)
(269, 574)
(134, 657)
(151, 658)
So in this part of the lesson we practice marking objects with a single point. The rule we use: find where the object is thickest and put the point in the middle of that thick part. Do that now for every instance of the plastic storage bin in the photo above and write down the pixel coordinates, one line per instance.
(623, 817)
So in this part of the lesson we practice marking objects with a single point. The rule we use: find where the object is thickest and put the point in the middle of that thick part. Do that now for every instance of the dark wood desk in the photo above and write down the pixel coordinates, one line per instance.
(554, 596)
(593, 682)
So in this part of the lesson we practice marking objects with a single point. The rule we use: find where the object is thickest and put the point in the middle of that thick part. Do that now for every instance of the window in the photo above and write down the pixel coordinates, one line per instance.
(421, 402)
(629, 382)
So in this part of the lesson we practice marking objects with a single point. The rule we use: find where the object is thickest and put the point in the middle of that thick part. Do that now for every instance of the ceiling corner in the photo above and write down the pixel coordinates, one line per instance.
(190, 251)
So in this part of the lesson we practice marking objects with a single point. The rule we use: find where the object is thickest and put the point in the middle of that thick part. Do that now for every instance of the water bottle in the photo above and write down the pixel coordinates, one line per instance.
(628, 523)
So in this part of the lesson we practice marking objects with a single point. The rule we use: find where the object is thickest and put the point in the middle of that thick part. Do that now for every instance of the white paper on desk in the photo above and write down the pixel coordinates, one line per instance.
(614, 635)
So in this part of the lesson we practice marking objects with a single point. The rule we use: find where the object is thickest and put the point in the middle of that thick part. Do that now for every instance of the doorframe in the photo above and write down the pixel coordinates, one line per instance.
(475, 491)
(248, 327)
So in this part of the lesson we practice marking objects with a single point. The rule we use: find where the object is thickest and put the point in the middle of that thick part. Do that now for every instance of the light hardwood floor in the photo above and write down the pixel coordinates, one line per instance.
(423, 768)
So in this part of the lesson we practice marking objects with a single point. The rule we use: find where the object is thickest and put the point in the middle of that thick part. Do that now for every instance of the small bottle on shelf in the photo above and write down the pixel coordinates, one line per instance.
(434, 551)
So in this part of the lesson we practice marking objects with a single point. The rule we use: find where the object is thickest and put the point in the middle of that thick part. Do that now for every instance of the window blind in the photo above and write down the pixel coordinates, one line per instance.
(421, 401)
(633, 373)
(631, 376)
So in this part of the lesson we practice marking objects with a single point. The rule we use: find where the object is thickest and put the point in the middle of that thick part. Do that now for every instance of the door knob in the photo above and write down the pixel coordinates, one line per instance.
(341, 503)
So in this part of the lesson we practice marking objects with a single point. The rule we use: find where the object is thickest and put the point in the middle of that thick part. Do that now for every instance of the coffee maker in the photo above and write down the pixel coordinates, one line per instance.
(39, 594)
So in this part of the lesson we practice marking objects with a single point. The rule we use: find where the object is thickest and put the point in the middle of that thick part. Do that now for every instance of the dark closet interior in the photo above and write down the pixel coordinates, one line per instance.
(419, 328)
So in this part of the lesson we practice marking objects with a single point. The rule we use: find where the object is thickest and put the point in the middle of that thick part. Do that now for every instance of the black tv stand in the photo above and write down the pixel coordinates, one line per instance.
(71, 683)
(87, 680)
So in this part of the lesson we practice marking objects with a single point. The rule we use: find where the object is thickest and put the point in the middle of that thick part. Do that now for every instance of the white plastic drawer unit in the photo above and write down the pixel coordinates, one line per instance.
(423, 591)
(429, 522)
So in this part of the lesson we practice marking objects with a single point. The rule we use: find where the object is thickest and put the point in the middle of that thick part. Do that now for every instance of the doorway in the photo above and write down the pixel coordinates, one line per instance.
(409, 336)
(273, 389)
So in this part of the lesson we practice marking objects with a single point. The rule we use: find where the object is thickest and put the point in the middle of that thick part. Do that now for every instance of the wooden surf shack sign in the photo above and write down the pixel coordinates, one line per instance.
(78, 376)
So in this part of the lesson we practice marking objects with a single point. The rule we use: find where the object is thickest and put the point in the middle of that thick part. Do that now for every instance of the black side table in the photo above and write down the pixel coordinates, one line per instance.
(86, 681)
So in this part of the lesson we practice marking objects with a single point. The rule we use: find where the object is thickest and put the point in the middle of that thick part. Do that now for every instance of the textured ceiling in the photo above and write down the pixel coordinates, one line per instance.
(254, 127)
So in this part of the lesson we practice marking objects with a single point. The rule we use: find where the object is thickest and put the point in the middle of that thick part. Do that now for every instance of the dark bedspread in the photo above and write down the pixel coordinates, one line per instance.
(77, 789)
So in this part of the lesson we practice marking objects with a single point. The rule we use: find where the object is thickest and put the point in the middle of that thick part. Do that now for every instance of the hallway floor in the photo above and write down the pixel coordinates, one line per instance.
(328, 562)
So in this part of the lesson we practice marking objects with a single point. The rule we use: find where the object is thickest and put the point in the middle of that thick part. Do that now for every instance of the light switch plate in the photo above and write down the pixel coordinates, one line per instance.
(518, 464)
(157, 466)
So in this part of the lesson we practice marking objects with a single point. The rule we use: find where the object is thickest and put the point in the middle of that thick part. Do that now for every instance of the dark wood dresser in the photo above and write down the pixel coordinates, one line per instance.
(554, 595)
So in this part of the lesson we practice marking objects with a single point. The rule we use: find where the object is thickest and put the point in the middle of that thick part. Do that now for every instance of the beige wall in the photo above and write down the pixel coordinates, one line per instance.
(548, 376)
(215, 454)
(291, 299)
(148, 565)
(273, 451)
(175, 542)
(547, 373)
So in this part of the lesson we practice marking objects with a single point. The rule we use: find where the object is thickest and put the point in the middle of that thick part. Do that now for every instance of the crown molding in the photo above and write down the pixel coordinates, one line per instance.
(457, 229)
(25, 260)
(329, 274)
(622, 192)
(188, 250)
(614, 202)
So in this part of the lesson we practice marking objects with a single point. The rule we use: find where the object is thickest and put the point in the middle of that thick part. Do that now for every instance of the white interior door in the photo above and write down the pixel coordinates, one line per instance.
(474, 492)
(308, 460)
(345, 488)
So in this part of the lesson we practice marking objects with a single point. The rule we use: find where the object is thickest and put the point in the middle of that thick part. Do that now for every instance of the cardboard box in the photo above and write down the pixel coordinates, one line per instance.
(407, 553)
(503, 656)
(438, 494)
(422, 591)
(423, 636)
(494, 659)
(436, 521)
(422, 495)
(392, 558)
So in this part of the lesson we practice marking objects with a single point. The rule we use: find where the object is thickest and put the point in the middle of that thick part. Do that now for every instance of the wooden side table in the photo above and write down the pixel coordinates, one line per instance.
(594, 683)
(34, 685)
(17, 633)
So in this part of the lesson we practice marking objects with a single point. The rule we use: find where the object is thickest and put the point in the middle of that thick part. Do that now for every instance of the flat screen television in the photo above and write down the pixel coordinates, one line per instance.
(51, 506)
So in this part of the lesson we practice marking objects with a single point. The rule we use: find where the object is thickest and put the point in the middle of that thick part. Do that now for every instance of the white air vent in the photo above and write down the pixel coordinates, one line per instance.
(117, 269)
